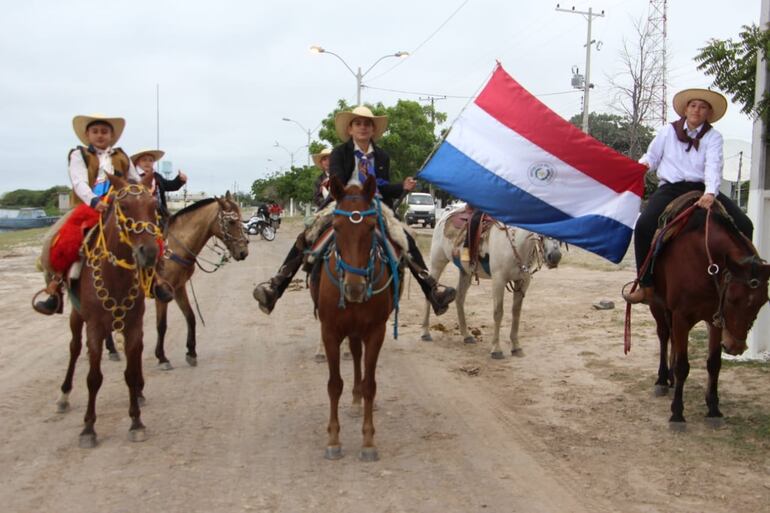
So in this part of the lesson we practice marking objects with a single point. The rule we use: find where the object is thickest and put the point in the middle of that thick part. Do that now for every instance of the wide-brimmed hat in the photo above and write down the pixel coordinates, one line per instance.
(717, 101)
(156, 154)
(343, 119)
(80, 123)
(321, 154)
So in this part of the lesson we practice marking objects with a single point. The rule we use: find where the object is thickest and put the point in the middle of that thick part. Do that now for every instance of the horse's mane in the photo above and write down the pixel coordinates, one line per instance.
(697, 222)
(190, 208)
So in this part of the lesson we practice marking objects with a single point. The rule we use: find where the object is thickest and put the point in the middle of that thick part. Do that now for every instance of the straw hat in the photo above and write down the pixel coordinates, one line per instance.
(156, 154)
(717, 101)
(343, 119)
(80, 123)
(321, 154)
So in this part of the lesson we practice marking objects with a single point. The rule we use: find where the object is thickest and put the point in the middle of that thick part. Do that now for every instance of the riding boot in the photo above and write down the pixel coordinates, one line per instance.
(643, 294)
(54, 303)
(267, 293)
(437, 295)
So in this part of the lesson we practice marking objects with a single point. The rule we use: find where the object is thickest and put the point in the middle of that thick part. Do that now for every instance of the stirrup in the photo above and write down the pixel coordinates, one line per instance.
(38, 309)
(645, 299)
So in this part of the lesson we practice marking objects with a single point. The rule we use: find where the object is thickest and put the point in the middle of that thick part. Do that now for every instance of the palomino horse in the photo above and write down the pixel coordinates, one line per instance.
(120, 257)
(514, 254)
(708, 272)
(354, 295)
(188, 231)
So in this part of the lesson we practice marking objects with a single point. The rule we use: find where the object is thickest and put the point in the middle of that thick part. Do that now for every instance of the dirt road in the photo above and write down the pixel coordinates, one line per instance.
(570, 427)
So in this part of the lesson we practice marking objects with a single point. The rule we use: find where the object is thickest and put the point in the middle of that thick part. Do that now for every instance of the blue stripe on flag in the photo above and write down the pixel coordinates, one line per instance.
(453, 171)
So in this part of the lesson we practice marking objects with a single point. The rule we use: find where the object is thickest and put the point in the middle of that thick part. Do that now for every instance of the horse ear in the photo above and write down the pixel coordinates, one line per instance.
(370, 187)
(337, 189)
(228, 197)
(117, 181)
(147, 179)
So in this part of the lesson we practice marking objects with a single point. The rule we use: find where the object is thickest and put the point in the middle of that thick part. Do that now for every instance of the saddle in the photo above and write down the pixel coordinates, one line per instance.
(676, 207)
(468, 228)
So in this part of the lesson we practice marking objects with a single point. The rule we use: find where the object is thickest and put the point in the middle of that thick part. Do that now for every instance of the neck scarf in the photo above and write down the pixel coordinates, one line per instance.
(682, 135)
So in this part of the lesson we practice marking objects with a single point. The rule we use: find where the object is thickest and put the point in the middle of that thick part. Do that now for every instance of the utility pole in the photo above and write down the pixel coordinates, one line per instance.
(759, 189)
(740, 164)
(657, 20)
(432, 100)
(589, 15)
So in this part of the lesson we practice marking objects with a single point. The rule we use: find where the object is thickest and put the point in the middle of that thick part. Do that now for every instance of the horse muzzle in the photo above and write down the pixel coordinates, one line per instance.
(241, 253)
(355, 291)
(146, 255)
(732, 345)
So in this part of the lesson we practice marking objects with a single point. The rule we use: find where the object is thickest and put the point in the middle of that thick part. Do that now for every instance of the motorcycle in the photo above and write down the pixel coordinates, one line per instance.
(274, 218)
(259, 224)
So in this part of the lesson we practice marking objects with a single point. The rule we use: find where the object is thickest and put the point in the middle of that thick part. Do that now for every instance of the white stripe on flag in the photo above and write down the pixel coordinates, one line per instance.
(507, 154)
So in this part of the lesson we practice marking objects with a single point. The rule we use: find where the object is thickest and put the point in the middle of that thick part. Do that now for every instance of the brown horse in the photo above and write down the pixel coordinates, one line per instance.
(354, 295)
(188, 231)
(708, 272)
(121, 253)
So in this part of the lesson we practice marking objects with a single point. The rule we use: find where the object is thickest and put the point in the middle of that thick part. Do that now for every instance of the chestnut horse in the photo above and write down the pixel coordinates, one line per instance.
(708, 272)
(120, 257)
(354, 295)
(188, 231)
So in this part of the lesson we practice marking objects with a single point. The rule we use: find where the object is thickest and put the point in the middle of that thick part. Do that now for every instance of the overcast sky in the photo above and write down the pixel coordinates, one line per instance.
(229, 71)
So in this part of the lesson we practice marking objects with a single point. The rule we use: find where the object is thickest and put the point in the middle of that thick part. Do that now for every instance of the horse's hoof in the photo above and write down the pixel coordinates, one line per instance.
(319, 358)
(115, 357)
(63, 404)
(677, 426)
(333, 452)
(426, 338)
(518, 352)
(469, 340)
(347, 356)
(368, 454)
(715, 422)
(496, 355)
(137, 435)
(192, 361)
(165, 366)
(87, 441)
(661, 390)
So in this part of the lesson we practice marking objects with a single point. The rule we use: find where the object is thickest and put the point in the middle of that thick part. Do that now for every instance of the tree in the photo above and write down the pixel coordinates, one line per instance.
(733, 66)
(617, 132)
(409, 140)
(635, 88)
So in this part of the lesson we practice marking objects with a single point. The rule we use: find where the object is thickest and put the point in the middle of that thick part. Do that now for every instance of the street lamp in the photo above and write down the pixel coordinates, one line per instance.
(287, 150)
(305, 130)
(359, 76)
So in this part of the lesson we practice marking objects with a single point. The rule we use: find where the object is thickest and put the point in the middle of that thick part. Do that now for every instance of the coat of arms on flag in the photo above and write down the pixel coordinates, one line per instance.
(514, 158)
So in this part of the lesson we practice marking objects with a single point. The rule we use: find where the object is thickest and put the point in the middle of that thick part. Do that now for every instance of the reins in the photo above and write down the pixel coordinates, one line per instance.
(679, 219)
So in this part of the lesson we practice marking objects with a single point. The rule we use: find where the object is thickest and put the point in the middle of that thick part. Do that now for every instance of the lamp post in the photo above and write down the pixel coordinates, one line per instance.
(305, 130)
(287, 150)
(359, 76)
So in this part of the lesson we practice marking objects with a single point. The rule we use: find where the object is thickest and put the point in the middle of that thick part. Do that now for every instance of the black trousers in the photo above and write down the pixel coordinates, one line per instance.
(648, 220)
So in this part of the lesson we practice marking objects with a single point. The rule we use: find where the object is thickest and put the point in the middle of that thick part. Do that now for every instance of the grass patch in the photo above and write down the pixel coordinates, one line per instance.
(31, 237)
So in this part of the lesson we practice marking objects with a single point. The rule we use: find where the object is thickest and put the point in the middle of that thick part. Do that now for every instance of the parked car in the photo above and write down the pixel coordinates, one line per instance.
(421, 208)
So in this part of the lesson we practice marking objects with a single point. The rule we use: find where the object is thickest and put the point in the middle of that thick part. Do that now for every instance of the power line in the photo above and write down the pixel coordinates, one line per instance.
(423, 43)
(416, 93)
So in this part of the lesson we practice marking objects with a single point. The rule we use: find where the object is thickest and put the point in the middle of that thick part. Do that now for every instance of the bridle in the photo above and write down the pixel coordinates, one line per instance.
(142, 278)
(380, 250)
(713, 270)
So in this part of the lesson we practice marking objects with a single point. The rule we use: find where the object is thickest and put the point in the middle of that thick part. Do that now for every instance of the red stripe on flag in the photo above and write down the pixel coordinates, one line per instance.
(509, 103)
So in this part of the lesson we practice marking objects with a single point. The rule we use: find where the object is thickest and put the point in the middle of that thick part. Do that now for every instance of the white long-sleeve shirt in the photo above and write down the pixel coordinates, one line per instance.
(668, 157)
(79, 173)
